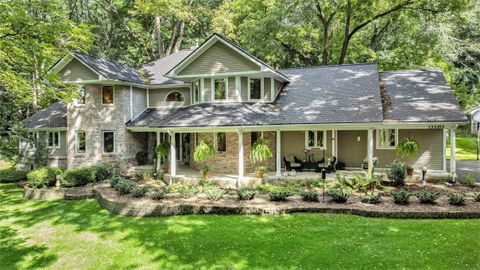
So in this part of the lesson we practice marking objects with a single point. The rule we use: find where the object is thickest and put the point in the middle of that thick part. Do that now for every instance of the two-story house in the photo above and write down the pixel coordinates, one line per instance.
(221, 93)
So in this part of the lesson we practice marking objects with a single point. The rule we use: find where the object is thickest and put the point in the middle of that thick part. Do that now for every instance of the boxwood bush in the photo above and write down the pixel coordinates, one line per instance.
(428, 197)
(371, 198)
(123, 187)
(214, 193)
(401, 197)
(11, 175)
(246, 193)
(309, 196)
(87, 175)
(279, 195)
(339, 195)
(42, 177)
(138, 192)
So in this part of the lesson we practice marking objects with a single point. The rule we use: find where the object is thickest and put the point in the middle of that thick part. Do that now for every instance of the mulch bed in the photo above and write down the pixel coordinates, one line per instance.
(173, 204)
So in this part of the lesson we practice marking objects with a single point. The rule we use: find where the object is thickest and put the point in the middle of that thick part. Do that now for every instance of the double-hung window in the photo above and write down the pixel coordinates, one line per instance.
(107, 95)
(196, 91)
(81, 95)
(387, 138)
(220, 89)
(53, 139)
(255, 89)
(108, 138)
(315, 139)
(221, 141)
(80, 144)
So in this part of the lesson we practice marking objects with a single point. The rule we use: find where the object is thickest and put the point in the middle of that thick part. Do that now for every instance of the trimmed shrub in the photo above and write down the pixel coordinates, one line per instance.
(339, 195)
(102, 172)
(427, 197)
(42, 177)
(401, 197)
(158, 194)
(309, 196)
(279, 196)
(398, 173)
(214, 193)
(11, 175)
(114, 180)
(456, 199)
(123, 187)
(371, 198)
(79, 177)
(138, 192)
(476, 196)
(246, 193)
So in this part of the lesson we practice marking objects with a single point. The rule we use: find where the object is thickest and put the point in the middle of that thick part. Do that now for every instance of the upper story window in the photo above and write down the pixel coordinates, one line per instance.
(220, 89)
(255, 89)
(315, 139)
(107, 95)
(80, 145)
(387, 138)
(174, 96)
(53, 139)
(81, 94)
(196, 92)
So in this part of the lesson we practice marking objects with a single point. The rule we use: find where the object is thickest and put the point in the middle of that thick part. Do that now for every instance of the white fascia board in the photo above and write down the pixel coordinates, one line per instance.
(48, 129)
(60, 64)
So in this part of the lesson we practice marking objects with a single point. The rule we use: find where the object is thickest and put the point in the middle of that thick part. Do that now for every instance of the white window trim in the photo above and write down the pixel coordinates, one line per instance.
(315, 143)
(113, 97)
(48, 137)
(212, 82)
(215, 141)
(196, 98)
(166, 96)
(77, 146)
(114, 142)
(202, 90)
(262, 92)
(377, 139)
(272, 89)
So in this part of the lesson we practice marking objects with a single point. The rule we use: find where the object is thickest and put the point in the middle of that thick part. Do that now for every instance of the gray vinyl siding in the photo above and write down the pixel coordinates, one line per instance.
(207, 91)
(244, 88)
(353, 152)
(219, 58)
(76, 71)
(232, 96)
(293, 143)
(267, 82)
(157, 96)
(139, 100)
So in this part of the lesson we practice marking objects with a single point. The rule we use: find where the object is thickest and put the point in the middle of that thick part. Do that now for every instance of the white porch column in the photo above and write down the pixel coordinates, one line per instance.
(370, 153)
(240, 157)
(453, 165)
(173, 153)
(158, 159)
(334, 138)
(278, 153)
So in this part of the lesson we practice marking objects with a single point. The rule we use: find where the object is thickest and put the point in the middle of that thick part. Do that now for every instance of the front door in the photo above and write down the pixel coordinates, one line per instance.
(182, 141)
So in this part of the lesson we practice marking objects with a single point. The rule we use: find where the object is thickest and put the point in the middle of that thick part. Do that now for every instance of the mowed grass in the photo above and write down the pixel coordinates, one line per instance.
(81, 235)
(466, 148)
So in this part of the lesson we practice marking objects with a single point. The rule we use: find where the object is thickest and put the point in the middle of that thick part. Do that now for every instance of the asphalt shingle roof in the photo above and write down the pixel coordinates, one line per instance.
(420, 96)
(111, 70)
(54, 116)
(153, 72)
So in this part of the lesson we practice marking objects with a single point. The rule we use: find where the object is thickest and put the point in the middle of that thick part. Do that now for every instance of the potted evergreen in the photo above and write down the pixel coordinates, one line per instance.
(162, 150)
(203, 152)
(259, 153)
(407, 150)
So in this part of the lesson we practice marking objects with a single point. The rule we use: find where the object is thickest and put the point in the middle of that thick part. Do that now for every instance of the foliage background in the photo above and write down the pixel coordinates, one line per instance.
(397, 34)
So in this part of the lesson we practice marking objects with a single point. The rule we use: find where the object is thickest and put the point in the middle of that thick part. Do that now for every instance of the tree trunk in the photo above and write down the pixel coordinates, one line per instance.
(172, 38)
(346, 34)
(178, 43)
(158, 31)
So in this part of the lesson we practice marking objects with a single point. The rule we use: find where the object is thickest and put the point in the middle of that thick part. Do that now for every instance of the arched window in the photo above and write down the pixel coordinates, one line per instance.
(174, 96)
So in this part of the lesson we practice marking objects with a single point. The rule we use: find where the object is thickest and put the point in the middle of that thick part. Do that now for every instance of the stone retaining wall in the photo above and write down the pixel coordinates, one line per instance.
(58, 193)
(147, 207)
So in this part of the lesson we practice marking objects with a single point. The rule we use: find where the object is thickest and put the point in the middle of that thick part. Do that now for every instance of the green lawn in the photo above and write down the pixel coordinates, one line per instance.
(466, 148)
(65, 235)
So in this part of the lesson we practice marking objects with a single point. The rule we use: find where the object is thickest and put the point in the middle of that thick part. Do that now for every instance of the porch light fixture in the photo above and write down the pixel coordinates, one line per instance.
(306, 152)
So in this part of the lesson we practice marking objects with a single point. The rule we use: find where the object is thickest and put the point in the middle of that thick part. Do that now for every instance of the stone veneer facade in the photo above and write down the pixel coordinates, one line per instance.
(227, 162)
(93, 117)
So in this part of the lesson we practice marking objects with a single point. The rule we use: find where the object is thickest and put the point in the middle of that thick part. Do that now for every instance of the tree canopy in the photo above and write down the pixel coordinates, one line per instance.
(397, 34)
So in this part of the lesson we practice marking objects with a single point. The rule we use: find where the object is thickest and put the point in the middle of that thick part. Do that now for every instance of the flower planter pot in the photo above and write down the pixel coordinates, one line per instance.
(410, 171)
(260, 174)
(166, 170)
(205, 175)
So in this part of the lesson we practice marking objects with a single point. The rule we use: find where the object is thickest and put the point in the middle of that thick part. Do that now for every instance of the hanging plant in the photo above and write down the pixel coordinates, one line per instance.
(203, 152)
(260, 151)
(162, 150)
(408, 148)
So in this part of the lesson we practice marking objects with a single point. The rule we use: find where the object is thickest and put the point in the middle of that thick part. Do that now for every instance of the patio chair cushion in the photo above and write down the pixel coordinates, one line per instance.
(291, 159)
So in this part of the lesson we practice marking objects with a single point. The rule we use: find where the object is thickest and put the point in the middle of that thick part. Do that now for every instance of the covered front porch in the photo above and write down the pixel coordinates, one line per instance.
(356, 149)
